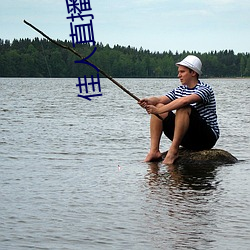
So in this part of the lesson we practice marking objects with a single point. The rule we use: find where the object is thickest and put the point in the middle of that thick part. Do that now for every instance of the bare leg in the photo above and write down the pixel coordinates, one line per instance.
(181, 127)
(155, 137)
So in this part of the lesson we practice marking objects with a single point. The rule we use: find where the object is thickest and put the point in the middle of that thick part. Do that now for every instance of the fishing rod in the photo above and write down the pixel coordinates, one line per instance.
(86, 60)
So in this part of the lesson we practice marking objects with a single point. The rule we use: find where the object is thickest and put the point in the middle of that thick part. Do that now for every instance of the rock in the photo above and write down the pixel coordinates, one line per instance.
(213, 157)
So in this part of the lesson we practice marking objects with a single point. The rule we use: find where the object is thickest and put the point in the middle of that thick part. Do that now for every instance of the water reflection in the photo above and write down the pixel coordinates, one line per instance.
(183, 177)
(183, 198)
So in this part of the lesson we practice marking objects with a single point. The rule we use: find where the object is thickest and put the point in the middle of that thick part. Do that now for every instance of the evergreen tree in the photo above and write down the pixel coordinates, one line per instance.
(41, 58)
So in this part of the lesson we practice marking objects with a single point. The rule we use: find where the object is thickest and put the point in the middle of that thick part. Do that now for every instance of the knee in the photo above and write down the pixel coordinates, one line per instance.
(184, 110)
(163, 115)
(159, 105)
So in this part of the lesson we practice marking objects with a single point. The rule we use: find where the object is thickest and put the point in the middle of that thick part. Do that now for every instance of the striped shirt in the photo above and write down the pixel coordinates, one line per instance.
(206, 108)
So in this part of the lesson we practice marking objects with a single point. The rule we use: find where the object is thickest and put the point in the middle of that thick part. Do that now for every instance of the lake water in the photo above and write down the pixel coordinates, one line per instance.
(72, 175)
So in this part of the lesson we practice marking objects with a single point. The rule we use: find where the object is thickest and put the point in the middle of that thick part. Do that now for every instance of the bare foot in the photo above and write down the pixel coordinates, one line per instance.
(153, 156)
(170, 157)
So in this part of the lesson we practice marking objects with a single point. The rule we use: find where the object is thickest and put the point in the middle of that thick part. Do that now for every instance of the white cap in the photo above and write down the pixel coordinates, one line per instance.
(191, 62)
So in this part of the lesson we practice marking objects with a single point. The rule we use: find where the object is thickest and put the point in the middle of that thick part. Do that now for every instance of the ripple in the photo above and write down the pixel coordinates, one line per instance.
(61, 185)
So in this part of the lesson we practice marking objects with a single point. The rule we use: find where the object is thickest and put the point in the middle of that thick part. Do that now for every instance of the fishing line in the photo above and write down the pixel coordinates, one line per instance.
(45, 58)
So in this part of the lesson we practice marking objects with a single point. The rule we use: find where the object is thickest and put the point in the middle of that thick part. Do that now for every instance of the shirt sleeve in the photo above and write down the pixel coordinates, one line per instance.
(171, 95)
(205, 94)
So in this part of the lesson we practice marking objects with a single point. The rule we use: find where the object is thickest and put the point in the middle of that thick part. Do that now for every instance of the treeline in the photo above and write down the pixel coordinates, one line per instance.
(41, 58)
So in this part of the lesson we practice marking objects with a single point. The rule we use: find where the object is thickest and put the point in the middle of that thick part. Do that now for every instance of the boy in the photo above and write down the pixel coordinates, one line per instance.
(194, 125)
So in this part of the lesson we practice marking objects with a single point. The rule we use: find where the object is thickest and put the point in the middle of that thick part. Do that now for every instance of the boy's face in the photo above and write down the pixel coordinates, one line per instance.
(185, 75)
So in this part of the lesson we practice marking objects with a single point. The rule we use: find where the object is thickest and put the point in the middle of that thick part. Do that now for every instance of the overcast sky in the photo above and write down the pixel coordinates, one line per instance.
(157, 25)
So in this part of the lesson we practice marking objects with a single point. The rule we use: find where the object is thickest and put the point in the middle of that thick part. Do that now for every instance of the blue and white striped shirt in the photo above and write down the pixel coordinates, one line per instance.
(206, 108)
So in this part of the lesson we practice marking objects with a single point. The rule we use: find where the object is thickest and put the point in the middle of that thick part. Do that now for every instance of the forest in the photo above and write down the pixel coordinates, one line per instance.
(41, 58)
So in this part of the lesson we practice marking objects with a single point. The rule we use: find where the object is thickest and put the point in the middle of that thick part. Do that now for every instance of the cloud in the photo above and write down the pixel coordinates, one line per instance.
(222, 2)
(226, 5)
(147, 2)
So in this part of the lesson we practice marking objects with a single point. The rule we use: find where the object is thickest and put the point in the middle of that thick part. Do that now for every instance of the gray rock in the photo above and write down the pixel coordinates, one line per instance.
(213, 157)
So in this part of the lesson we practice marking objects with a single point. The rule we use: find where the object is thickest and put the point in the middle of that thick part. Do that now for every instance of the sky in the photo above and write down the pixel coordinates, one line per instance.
(155, 25)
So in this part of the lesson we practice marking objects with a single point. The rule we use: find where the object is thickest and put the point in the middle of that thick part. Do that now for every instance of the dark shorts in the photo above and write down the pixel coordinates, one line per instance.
(199, 135)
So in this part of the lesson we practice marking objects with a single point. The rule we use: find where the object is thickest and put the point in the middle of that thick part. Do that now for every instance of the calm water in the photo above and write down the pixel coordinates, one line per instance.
(72, 175)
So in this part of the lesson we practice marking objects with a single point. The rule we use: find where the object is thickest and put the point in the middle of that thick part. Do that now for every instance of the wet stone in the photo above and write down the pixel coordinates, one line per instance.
(204, 157)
